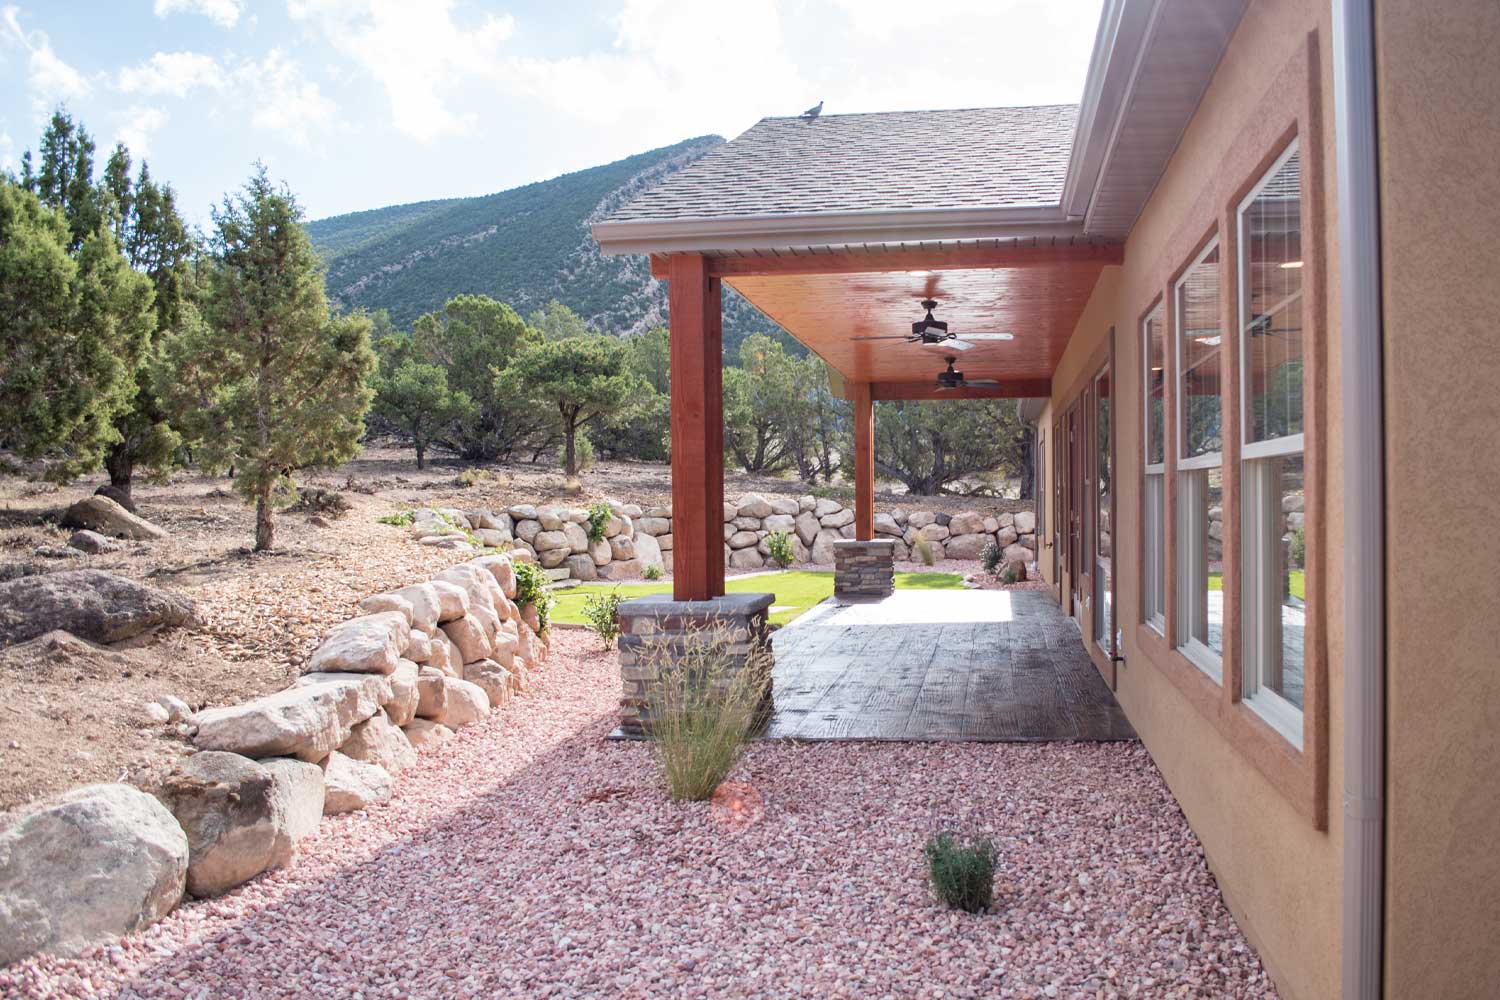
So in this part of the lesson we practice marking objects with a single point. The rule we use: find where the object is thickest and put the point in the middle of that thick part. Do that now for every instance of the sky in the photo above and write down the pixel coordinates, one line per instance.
(358, 104)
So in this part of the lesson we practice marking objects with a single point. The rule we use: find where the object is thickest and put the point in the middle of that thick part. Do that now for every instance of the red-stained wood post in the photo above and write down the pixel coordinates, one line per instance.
(696, 320)
(864, 462)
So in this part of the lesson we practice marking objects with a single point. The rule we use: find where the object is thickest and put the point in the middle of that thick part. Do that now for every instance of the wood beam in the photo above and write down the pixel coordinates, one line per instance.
(697, 422)
(916, 259)
(1023, 388)
(864, 461)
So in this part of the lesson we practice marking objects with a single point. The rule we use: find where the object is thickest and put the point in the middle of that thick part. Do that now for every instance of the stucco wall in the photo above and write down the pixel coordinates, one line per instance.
(1279, 873)
(1439, 96)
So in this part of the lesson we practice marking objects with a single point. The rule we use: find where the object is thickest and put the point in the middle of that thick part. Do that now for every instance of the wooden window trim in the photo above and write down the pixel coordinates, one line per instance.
(1290, 109)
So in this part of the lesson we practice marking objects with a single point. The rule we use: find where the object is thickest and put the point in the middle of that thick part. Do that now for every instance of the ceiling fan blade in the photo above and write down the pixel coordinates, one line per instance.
(893, 336)
(957, 345)
(985, 336)
(981, 381)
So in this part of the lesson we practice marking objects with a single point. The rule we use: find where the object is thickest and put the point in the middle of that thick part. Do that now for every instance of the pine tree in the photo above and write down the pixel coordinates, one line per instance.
(583, 377)
(280, 385)
(416, 400)
(65, 178)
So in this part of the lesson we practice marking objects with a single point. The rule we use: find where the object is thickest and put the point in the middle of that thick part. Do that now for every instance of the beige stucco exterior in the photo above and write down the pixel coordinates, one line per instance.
(1279, 872)
(1438, 77)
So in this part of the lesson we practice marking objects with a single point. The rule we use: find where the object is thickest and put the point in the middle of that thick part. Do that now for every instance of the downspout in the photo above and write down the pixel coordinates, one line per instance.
(1364, 498)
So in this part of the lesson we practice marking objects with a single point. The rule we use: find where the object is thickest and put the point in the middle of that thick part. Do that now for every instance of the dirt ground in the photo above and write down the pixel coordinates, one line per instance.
(71, 715)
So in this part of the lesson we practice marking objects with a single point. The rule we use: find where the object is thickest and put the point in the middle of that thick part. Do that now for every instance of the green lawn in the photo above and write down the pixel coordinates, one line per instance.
(799, 590)
(1298, 583)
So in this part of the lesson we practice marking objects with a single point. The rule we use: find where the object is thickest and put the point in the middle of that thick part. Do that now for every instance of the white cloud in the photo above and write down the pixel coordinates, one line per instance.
(224, 13)
(7, 151)
(49, 79)
(416, 52)
(172, 73)
(283, 100)
(137, 127)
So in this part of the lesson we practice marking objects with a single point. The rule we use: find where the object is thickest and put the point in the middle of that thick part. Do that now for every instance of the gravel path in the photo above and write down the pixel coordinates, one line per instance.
(527, 857)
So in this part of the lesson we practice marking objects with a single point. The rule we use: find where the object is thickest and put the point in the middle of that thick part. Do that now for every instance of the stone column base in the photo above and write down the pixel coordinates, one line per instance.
(656, 628)
(864, 569)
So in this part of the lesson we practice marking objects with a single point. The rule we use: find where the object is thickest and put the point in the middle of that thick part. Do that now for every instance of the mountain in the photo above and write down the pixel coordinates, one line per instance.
(524, 246)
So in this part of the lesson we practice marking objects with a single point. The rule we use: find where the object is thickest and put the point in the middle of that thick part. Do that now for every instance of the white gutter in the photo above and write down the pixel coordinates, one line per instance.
(1361, 333)
(818, 229)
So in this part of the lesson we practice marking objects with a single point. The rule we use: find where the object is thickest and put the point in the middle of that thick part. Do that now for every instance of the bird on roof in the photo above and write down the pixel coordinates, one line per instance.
(812, 112)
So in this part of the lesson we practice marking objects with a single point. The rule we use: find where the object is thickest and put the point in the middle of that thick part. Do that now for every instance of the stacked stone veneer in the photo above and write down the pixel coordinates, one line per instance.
(657, 632)
(864, 569)
(635, 538)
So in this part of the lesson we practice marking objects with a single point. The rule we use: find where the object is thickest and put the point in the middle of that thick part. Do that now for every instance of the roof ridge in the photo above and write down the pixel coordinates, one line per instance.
(922, 111)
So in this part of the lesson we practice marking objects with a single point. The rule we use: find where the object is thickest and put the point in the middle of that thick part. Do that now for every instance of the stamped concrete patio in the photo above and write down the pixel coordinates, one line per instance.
(976, 665)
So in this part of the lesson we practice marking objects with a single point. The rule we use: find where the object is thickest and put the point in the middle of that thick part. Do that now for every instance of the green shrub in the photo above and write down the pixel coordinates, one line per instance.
(990, 558)
(702, 706)
(602, 614)
(401, 519)
(923, 551)
(1298, 547)
(963, 876)
(652, 572)
(531, 588)
(783, 553)
(599, 516)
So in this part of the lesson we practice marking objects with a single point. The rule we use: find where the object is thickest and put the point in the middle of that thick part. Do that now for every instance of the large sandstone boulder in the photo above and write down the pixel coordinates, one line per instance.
(578, 539)
(837, 519)
(453, 600)
(425, 604)
(419, 648)
(425, 732)
(780, 522)
(746, 559)
(91, 542)
(621, 547)
(933, 532)
(432, 695)
(378, 741)
(470, 636)
(503, 570)
(622, 569)
(647, 551)
(966, 546)
(351, 784)
(807, 527)
(550, 541)
(885, 524)
(1017, 553)
(301, 785)
(378, 603)
(492, 678)
(402, 705)
(824, 506)
(86, 867)
(235, 816)
(653, 525)
(118, 495)
(822, 546)
(1025, 522)
(89, 603)
(966, 523)
(743, 540)
(308, 721)
(370, 644)
(581, 567)
(465, 703)
(787, 506)
(101, 514)
(753, 505)
(918, 519)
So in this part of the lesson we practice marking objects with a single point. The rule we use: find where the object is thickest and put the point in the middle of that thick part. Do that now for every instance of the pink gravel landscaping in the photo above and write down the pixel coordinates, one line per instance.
(530, 857)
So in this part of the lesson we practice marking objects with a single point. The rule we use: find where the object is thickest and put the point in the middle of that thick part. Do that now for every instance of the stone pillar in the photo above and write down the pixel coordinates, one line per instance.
(864, 569)
(657, 627)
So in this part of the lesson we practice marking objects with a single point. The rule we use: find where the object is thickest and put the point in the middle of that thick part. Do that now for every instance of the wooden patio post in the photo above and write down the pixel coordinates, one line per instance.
(697, 429)
(864, 462)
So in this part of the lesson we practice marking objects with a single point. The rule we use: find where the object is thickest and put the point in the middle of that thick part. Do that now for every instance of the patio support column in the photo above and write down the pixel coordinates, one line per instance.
(697, 423)
(864, 462)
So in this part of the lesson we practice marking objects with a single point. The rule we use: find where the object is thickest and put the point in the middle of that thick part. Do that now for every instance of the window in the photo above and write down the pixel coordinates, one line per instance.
(1103, 517)
(1271, 466)
(1154, 539)
(1199, 506)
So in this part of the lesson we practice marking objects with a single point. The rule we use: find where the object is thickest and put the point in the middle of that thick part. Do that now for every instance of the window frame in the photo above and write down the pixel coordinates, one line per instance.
(1158, 621)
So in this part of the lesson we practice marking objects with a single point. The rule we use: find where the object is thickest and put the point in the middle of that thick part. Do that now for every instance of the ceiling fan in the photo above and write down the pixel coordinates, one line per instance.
(930, 332)
(954, 379)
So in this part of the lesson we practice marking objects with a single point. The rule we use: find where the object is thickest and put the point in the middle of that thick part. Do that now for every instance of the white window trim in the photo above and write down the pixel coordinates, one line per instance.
(1241, 321)
(1158, 310)
(1272, 448)
(1280, 714)
(1158, 621)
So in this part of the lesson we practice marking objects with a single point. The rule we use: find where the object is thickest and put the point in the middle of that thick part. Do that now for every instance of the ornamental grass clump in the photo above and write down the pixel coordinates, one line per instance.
(962, 875)
(707, 698)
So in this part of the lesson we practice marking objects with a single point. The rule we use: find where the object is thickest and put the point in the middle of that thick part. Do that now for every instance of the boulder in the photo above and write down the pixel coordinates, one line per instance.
(942, 517)
(101, 514)
(807, 503)
(87, 867)
(753, 505)
(743, 540)
(527, 531)
(932, 532)
(553, 558)
(746, 559)
(457, 543)
(350, 784)
(419, 647)
(503, 570)
(492, 538)
(991, 525)
(426, 605)
(370, 644)
(730, 511)
(1006, 536)
(402, 705)
(649, 525)
(549, 541)
(522, 512)
(647, 551)
(966, 546)
(786, 506)
(88, 603)
(920, 519)
(600, 552)
(621, 569)
(837, 519)
(118, 495)
(629, 510)
(822, 546)
(453, 600)
(621, 547)
(966, 523)
(824, 506)
(378, 741)
(469, 635)
(425, 732)
(445, 657)
(582, 567)
(807, 527)
(744, 523)
(847, 531)
(301, 785)
(1025, 522)
(578, 538)
(465, 702)
(780, 522)
(1017, 553)
(92, 542)
(551, 518)
(235, 816)
(307, 721)
(432, 695)
(387, 602)
(493, 678)
(664, 542)
(885, 524)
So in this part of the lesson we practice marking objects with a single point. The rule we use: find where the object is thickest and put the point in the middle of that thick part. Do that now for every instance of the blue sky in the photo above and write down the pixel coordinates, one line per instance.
(362, 103)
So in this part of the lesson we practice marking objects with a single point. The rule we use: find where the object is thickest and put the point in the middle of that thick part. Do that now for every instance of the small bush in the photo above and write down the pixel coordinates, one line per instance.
(1298, 548)
(599, 516)
(469, 478)
(990, 558)
(401, 519)
(703, 706)
(602, 614)
(652, 572)
(312, 500)
(783, 553)
(923, 551)
(572, 486)
(531, 588)
(963, 876)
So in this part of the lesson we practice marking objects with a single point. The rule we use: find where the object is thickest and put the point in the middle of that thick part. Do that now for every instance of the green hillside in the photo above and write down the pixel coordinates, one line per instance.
(524, 246)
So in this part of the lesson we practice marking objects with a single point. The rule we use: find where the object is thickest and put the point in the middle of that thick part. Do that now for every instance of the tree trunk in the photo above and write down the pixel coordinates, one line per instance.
(570, 458)
(1028, 464)
(120, 464)
(265, 527)
(420, 451)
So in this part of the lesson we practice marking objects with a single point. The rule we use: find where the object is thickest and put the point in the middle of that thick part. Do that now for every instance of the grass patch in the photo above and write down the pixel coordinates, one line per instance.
(1297, 585)
(798, 589)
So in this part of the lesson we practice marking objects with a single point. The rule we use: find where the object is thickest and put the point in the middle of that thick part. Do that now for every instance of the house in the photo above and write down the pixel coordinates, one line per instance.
(1249, 282)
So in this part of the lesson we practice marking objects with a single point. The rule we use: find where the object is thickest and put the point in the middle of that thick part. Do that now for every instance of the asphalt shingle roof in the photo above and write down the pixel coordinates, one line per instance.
(970, 158)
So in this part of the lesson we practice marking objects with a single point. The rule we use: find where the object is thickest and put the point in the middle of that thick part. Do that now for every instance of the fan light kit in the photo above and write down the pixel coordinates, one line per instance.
(954, 379)
(932, 332)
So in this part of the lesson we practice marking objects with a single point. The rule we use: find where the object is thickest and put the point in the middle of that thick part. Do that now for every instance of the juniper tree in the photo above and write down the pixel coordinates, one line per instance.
(278, 383)
(582, 377)
(416, 400)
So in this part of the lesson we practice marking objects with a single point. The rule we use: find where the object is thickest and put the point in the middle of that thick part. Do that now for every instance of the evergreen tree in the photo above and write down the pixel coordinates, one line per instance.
(73, 330)
(415, 399)
(281, 385)
(583, 377)
(65, 178)
(931, 445)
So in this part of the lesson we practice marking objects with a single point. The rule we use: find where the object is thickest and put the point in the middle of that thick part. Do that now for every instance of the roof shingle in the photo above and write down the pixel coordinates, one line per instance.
(904, 160)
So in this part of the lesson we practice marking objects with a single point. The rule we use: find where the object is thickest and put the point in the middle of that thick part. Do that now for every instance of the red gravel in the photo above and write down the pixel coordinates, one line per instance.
(529, 857)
